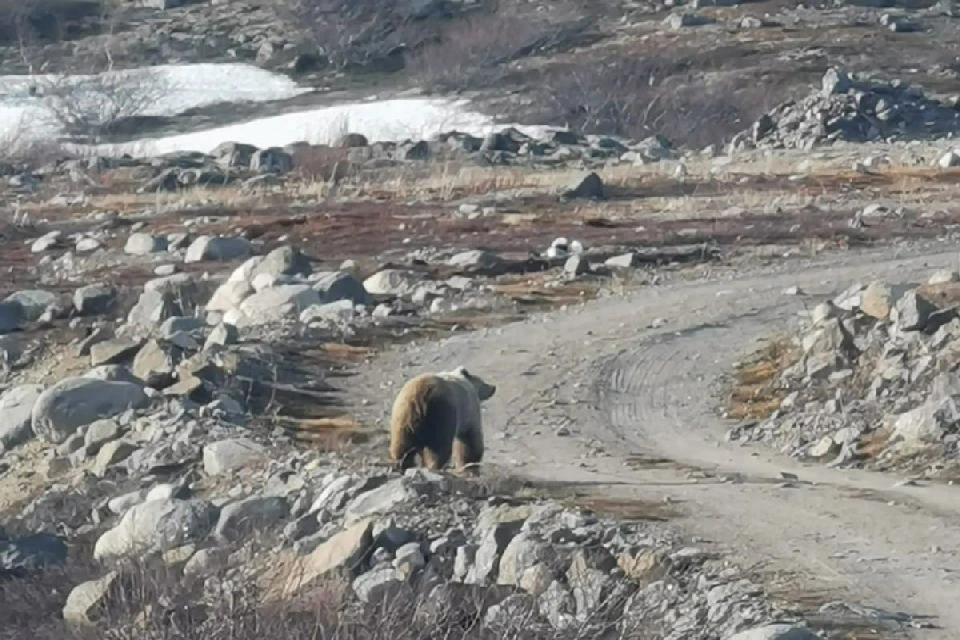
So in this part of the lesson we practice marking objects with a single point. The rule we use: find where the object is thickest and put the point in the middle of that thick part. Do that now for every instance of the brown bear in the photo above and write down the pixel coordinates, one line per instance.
(437, 415)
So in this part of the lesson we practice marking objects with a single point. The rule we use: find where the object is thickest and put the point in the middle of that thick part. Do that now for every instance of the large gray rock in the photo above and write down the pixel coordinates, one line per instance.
(334, 286)
(276, 304)
(380, 500)
(775, 632)
(522, 553)
(226, 455)
(231, 155)
(114, 351)
(283, 261)
(156, 525)
(155, 364)
(74, 402)
(229, 295)
(939, 414)
(492, 544)
(252, 515)
(141, 244)
(94, 299)
(373, 585)
(110, 454)
(86, 602)
(217, 248)
(912, 312)
(152, 309)
(589, 187)
(33, 302)
(342, 553)
(392, 282)
(182, 287)
(16, 414)
(271, 160)
(11, 316)
(878, 299)
(478, 260)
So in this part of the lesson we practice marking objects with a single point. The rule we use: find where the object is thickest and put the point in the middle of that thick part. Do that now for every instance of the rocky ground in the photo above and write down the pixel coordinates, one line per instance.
(870, 381)
(198, 351)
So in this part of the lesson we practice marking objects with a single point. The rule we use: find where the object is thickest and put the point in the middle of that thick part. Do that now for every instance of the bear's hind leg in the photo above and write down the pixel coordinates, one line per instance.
(468, 447)
(437, 456)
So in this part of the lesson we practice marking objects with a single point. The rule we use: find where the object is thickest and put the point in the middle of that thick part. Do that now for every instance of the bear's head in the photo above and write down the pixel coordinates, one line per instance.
(484, 390)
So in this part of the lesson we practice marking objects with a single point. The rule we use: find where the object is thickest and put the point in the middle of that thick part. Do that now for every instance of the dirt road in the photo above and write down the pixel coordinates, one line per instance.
(640, 408)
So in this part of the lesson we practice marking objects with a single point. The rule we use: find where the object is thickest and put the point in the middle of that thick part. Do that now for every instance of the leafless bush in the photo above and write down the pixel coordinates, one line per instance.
(321, 163)
(22, 150)
(356, 33)
(151, 601)
(88, 107)
(472, 52)
(639, 97)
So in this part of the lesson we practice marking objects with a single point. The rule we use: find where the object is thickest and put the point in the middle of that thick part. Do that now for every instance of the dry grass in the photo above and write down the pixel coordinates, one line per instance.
(755, 393)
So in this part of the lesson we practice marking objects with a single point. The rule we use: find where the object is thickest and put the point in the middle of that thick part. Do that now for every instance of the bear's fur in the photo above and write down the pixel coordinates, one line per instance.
(436, 416)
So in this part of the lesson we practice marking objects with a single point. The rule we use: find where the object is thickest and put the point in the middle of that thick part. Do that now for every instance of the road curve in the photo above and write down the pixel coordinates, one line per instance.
(629, 393)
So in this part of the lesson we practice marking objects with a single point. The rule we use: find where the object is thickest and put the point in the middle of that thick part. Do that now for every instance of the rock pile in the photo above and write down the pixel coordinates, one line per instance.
(875, 383)
(431, 536)
(854, 110)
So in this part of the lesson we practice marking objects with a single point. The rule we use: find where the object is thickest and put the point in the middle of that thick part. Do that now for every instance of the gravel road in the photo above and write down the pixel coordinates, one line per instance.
(621, 393)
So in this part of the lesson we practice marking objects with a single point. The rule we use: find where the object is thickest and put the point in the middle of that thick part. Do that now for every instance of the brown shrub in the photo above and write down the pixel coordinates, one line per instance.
(473, 52)
(638, 97)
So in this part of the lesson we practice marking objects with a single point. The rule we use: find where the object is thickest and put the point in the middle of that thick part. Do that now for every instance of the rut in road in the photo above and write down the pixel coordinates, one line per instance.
(627, 390)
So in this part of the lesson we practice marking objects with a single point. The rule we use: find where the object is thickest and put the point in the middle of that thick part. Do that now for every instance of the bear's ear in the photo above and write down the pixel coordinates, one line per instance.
(463, 372)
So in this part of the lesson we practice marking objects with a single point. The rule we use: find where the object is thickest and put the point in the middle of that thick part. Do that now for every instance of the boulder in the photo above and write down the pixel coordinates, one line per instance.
(217, 248)
(373, 585)
(342, 553)
(156, 525)
(74, 402)
(912, 312)
(283, 261)
(878, 299)
(94, 299)
(100, 432)
(380, 500)
(232, 155)
(229, 295)
(479, 261)
(155, 364)
(334, 286)
(492, 545)
(226, 455)
(522, 553)
(110, 454)
(16, 414)
(276, 304)
(141, 244)
(252, 515)
(589, 187)
(33, 302)
(271, 160)
(392, 282)
(87, 600)
(152, 309)
(113, 351)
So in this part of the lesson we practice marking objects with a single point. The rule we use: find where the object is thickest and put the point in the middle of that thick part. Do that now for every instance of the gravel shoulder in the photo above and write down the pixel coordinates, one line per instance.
(639, 408)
